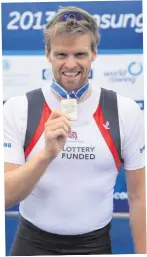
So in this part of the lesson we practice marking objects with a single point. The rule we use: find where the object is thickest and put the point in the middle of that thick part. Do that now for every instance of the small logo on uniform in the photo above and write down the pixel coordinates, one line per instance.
(142, 149)
(73, 134)
(7, 145)
(106, 126)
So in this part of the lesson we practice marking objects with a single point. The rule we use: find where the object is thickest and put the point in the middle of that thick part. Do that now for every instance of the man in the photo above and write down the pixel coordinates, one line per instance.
(64, 178)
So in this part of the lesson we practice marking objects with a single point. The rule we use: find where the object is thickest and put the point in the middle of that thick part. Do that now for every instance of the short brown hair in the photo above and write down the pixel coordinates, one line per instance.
(72, 27)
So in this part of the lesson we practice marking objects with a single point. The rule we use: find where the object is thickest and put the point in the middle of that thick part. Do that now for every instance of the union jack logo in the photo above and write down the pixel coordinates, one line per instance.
(73, 134)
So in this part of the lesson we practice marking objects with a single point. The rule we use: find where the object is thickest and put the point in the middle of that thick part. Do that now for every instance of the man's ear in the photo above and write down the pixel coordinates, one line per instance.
(47, 54)
(94, 55)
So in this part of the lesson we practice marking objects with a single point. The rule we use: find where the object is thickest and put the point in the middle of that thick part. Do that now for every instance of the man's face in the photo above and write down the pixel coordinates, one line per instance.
(71, 59)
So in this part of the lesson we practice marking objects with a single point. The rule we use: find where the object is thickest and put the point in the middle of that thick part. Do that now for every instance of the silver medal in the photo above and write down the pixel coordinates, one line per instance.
(69, 106)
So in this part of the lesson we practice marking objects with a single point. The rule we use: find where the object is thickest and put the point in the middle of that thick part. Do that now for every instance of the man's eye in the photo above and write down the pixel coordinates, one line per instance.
(61, 55)
(81, 55)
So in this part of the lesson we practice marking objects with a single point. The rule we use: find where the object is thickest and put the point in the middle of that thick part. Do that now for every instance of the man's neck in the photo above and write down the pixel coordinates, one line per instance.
(84, 98)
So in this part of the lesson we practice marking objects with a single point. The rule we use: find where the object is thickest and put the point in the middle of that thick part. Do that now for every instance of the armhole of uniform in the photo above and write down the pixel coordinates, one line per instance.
(108, 101)
(35, 100)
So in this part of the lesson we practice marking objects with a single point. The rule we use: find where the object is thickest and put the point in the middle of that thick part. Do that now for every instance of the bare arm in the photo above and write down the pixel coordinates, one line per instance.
(137, 203)
(20, 180)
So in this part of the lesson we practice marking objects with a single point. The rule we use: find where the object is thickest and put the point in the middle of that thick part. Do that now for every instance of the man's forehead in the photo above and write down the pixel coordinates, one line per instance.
(65, 38)
(82, 41)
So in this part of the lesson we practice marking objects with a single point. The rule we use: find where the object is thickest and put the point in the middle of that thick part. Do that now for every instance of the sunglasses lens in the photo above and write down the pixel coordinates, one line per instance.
(71, 15)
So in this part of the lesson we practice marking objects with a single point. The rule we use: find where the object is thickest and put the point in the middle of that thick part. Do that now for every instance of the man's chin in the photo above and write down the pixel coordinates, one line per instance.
(69, 86)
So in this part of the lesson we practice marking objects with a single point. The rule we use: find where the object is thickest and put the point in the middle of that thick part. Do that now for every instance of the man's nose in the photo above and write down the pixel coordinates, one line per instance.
(71, 62)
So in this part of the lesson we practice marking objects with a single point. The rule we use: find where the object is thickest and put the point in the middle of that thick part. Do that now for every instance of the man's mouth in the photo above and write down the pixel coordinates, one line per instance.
(71, 74)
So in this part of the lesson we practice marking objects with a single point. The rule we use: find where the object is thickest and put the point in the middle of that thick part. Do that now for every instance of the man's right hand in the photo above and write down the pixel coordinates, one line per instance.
(56, 130)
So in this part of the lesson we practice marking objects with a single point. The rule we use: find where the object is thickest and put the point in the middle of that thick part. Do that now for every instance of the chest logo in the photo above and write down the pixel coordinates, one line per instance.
(106, 126)
(73, 134)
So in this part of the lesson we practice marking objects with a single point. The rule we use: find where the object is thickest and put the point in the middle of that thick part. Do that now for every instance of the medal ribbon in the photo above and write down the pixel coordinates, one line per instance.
(60, 91)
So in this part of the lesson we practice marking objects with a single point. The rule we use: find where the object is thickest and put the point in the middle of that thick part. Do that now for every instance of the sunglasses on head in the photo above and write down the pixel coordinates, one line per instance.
(63, 17)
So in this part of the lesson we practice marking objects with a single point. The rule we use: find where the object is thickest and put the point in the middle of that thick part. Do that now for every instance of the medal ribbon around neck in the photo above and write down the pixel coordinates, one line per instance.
(60, 91)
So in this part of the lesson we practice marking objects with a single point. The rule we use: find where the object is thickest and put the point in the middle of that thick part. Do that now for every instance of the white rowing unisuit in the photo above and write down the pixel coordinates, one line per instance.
(75, 194)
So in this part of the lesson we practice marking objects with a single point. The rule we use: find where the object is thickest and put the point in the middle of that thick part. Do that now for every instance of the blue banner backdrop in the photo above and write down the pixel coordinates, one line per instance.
(120, 23)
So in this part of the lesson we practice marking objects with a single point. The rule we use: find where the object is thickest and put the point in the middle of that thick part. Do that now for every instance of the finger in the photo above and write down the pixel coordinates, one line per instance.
(56, 114)
(60, 120)
(57, 133)
(57, 125)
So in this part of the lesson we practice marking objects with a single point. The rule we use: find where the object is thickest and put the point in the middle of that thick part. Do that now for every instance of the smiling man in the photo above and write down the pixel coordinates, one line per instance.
(67, 146)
